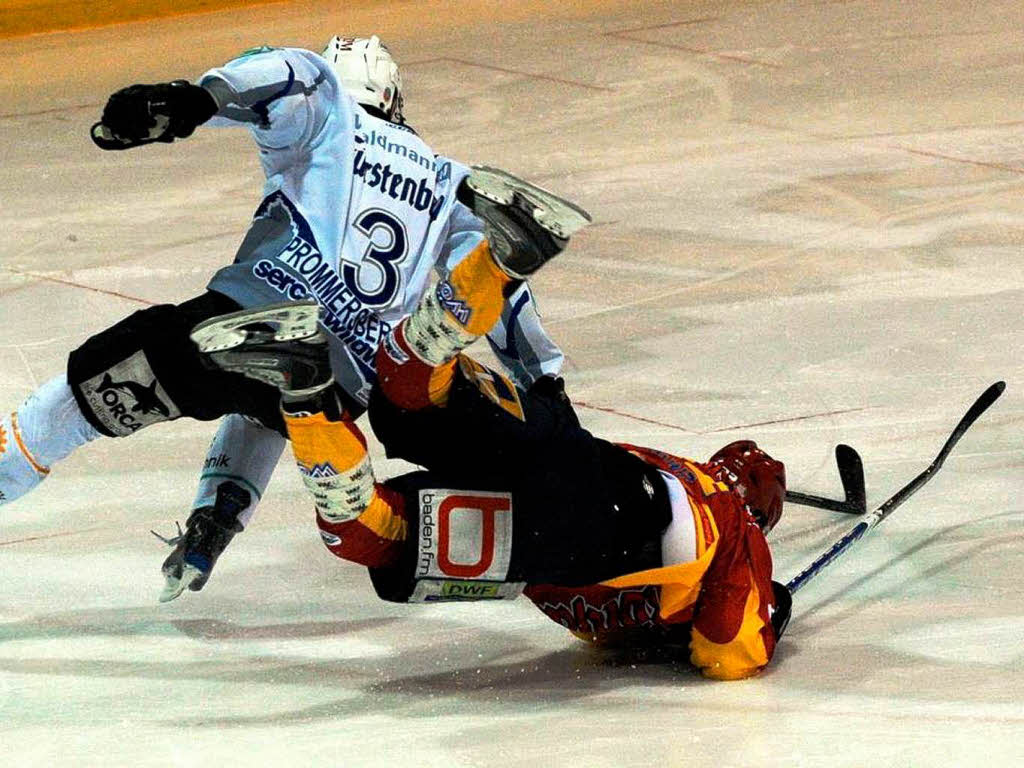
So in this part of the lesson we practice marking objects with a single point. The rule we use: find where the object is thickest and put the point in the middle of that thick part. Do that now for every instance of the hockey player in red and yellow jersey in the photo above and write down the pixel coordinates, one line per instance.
(620, 544)
(714, 590)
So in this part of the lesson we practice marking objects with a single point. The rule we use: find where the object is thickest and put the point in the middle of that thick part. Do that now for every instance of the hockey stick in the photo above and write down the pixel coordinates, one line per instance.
(982, 404)
(851, 473)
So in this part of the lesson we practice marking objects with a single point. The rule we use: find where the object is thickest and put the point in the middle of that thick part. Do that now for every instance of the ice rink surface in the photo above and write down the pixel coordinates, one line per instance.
(809, 221)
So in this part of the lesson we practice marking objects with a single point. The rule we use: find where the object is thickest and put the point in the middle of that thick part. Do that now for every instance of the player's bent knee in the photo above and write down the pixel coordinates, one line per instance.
(144, 369)
(112, 374)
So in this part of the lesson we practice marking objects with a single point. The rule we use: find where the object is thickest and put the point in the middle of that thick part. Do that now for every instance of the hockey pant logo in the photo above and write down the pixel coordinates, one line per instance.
(127, 396)
(465, 546)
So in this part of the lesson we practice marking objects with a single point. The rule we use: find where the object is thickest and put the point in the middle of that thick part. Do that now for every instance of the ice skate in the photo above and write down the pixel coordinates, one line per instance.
(279, 344)
(525, 224)
(207, 534)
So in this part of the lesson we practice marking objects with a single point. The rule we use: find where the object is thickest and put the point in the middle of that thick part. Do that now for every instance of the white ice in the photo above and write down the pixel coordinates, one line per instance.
(809, 218)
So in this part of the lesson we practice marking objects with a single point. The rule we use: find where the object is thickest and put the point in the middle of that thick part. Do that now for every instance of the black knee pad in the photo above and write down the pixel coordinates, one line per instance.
(145, 370)
(112, 374)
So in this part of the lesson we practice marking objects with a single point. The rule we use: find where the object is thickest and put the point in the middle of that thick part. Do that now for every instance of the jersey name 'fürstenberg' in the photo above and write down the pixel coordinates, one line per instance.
(397, 186)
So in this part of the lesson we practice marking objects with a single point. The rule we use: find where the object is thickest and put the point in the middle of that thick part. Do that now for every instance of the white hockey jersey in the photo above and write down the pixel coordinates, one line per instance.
(357, 213)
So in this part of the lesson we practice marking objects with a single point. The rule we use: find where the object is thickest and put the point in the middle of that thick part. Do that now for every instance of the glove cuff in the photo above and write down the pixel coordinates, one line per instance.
(196, 104)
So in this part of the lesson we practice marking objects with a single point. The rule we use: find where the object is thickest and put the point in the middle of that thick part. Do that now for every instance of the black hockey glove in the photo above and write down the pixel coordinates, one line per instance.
(783, 609)
(142, 114)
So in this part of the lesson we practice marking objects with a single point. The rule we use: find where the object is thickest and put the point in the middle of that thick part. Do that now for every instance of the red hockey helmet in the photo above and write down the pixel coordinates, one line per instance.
(757, 478)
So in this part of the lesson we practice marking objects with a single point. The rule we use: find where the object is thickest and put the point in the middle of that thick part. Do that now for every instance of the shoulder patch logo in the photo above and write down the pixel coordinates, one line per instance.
(495, 386)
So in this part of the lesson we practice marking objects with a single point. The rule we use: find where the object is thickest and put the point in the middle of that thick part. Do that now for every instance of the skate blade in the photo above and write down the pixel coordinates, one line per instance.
(290, 320)
(557, 215)
(174, 587)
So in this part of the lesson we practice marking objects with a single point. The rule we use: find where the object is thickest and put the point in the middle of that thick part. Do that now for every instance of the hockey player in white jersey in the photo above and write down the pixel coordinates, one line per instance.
(357, 213)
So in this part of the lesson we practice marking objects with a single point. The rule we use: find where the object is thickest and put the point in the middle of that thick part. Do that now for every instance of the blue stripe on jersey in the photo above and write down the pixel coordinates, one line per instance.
(261, 107)
(511, 349)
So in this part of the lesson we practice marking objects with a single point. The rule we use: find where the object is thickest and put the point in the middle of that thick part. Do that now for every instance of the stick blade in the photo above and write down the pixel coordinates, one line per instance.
(982, 404)
(851, 474)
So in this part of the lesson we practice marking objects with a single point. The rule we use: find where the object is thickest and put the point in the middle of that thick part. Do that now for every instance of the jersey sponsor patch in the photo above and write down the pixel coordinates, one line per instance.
(451, 590)
(127, 396)
(464, 535)
(496, 387)
(280, 280)
(221, 461)
(303, 271)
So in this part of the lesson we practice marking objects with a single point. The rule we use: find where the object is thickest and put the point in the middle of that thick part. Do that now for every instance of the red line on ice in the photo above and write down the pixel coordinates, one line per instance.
(73, 284)
(968, 161)
(634, 417)
(644, 419)
(700, 51)
(48, 536)
(685, 23)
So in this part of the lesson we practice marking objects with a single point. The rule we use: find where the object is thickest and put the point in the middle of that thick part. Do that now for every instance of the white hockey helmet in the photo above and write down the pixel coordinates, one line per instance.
(367, 73)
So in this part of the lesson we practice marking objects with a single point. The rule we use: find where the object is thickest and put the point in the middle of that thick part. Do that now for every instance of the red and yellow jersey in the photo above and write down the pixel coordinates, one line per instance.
(719, 602)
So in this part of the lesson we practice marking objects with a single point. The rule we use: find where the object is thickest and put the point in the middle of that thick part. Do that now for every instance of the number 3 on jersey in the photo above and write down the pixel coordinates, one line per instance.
(387, 248)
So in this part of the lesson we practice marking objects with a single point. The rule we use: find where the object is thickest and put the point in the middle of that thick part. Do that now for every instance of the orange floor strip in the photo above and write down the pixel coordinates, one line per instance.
(27, 17)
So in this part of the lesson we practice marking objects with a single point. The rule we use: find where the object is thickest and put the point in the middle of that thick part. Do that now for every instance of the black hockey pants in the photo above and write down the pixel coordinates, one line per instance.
(586, 509)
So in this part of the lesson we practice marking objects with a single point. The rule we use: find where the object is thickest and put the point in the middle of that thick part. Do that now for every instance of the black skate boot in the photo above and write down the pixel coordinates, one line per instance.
(208, 531)
(525, 225)
(279, 344)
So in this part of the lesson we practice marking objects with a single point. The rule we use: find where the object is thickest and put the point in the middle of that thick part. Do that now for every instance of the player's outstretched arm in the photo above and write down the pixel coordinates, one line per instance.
(142, 114)
(283, 95)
